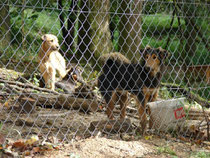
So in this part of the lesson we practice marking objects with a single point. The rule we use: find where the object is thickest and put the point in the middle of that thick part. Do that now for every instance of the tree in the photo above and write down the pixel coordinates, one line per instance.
(4, 23)
(130, 28)
(94, 37)
(190, 34)
(68, 31)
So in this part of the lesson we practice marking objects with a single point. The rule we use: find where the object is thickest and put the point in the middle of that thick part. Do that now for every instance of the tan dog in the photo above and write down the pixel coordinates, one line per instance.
(51, 60)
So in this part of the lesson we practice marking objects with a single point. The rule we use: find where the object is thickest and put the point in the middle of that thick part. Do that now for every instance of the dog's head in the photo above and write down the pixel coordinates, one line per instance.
(154, 58)
(74, 73)
(50, 42)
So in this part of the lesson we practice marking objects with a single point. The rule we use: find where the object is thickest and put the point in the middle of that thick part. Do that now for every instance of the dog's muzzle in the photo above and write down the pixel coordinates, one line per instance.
(55, 48)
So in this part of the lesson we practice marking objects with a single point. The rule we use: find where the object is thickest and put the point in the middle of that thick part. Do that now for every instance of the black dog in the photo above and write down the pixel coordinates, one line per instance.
(142, 80)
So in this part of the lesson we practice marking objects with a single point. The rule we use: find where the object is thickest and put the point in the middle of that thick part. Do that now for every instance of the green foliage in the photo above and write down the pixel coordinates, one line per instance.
(164, 93)
(49, 22)
(200, 154)
(31, 3)
(31, 23)
(35, 24)
(158, 24)
(155, 31)
(202, 90)
(166, 150)
(152, 7)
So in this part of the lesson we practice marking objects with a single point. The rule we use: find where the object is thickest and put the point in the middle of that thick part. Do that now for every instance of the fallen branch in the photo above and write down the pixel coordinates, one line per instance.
(207, 122)
(189, 94)
(30, 94)
(59, 101)
(27, 85)
(195, 113)
(111, 126)
(4, 93)
(5, 89)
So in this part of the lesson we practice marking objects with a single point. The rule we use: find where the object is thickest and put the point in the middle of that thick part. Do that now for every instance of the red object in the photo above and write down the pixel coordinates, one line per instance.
(179, 113)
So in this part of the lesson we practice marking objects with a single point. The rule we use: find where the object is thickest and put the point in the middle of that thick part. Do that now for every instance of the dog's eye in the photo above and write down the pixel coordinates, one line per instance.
(147, 56)
(154, 57)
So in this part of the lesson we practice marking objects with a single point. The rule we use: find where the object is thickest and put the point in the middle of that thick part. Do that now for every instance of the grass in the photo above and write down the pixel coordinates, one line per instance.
(200, 154)
(158, 23)
(35, 24)
(155, 33)
(166, 150)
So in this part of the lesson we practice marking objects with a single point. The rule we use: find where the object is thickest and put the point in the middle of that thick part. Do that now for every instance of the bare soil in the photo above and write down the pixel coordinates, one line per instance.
(101, 147)
(74, 138)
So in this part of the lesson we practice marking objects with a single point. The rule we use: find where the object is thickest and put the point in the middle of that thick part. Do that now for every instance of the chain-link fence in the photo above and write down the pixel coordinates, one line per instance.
(93, 84)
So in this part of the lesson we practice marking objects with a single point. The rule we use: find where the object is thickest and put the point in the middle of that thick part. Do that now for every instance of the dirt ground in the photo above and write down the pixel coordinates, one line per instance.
(70, 131)
(101, 147)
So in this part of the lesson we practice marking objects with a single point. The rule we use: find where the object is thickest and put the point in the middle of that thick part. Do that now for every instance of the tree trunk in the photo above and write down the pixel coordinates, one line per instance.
(84, 40)
(190, 33)
(23, 25)
(130, 29)
(72, 17)
(94, 35)
(4, 23)
(68, 32)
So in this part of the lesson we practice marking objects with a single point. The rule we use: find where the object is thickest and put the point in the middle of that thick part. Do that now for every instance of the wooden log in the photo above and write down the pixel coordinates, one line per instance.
(112, 126)
(194, 113)
(189, 94)
(59, 101)
(129, 109)
(25, 86)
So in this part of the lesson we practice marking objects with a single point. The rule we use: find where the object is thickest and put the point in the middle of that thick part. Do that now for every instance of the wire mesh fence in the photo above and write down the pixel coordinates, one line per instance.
(158, 82)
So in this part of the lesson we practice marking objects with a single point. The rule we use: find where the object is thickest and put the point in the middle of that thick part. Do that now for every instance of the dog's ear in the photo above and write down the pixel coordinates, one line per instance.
(146, 50)
(163, 53)
(43, 37)
(141, 51)
(148, 47)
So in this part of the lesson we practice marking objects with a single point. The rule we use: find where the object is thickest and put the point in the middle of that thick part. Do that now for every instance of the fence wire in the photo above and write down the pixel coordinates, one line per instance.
(93, 84)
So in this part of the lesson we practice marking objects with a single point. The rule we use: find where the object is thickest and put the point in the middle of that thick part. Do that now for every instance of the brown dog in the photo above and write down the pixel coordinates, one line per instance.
(142, 80)
(51, 60)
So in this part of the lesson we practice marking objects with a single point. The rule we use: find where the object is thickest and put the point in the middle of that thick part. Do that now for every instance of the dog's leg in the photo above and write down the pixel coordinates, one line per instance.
(142, 101)
(142, 116)
(107, 93)
(62, 69)
(155, 95)
(46, 78)
(153, 98)
(110, 106)
(123, 99)
(44, 75)
(62, 72)
(52, 73)
(47, 73)
(59, 63)
(150, 119)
